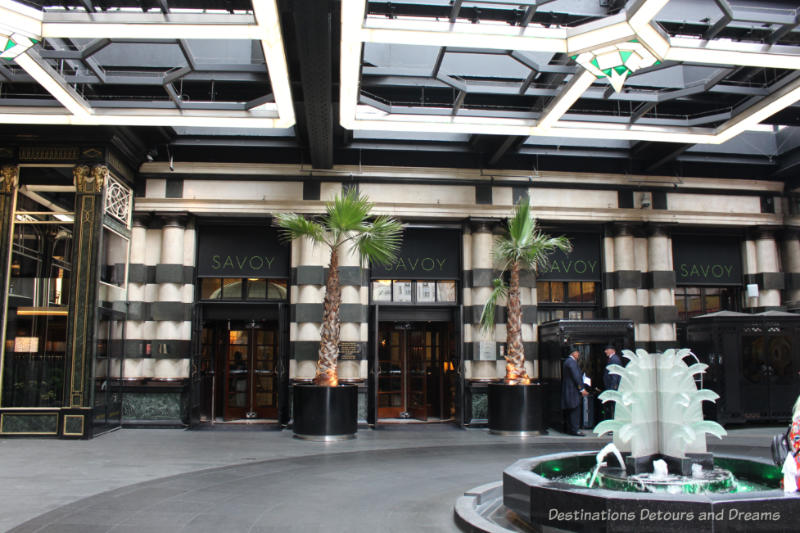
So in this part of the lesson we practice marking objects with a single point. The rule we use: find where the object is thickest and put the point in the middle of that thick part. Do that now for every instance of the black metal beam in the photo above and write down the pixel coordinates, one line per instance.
(722, 22)
(671, 154)
(455, 9)
(313, 32)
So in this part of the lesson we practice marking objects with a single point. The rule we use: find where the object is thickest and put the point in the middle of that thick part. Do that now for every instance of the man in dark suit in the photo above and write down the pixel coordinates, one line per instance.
(572, 388)
(610, 381)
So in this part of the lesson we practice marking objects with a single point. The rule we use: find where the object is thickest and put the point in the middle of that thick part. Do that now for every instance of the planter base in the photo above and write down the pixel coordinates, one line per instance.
(516, 409)
(325, 413)
(506, 433)
(324, 438)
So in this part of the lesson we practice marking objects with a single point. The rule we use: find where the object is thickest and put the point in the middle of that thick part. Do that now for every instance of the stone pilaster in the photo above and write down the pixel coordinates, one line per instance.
(762, 267)
(306, 304)
(662, 312)
(353, 313)
(137, 363)
(172, 317)
(89, 189)
(791, 265)
(481, 280)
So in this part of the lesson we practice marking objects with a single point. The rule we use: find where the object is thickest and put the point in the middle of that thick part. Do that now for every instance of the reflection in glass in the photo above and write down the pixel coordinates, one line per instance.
(401, 291)
(37, 299)
(426, 291)
(382, 290)
(232, 288)
(210, 288)
(588, 289)
(543, 291)
(556, 291)
(276, 289)
(574, 292)
(256, 289)
(446, 291)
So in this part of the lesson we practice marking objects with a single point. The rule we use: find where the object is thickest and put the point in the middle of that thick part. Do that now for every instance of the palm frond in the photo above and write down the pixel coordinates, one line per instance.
(499, 290)
(521, 225)
(505, 252)
(347, 212)
(294, 226)
(378, 241)
(540, 250)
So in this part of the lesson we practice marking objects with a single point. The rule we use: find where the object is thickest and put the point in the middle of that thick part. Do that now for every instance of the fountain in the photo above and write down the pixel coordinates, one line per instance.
(656, 474)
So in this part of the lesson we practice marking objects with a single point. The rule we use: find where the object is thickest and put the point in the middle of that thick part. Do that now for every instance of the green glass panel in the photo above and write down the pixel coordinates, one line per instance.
(595, 63)
(621, 69)
(9, 45)
(625, 55)
(607, 72)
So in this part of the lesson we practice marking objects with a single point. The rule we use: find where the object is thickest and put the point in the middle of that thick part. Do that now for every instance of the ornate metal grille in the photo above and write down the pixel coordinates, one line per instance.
(118, 201)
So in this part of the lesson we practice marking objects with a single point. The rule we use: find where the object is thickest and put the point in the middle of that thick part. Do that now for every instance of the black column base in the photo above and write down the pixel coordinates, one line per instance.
(325, 413)
(516, 409)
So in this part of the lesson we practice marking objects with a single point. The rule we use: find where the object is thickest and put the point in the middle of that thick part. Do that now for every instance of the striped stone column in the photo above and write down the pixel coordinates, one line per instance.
(762, 267)
(660, 280)
(354, 331)
(172, 340)
(306, 308)
(790, 240)
(640, 265)
(135, 341)
(527, 290)
(466, 298)
(483, 367)
(624, 275)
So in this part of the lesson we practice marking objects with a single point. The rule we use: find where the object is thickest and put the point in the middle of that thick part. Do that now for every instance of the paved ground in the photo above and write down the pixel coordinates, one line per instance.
(401, 478)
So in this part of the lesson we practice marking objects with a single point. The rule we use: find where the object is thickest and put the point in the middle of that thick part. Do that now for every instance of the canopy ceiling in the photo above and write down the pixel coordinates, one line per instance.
(705, 87)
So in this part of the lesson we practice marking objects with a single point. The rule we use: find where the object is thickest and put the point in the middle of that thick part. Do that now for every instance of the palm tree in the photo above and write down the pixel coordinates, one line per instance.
(346, 220)
(527, 247)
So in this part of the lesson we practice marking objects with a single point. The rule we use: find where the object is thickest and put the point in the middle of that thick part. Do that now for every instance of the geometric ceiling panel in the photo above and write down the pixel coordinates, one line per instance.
(133, 64)
(637, 74)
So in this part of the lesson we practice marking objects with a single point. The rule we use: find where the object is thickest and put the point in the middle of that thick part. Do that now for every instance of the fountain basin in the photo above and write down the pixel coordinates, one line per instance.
(546, 491)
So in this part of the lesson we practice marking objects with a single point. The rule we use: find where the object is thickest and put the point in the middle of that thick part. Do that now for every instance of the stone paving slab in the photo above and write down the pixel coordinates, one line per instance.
(402, 478)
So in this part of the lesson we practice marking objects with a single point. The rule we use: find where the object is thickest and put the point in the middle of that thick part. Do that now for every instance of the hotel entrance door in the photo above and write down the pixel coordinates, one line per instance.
(416, 374)
(244, 357)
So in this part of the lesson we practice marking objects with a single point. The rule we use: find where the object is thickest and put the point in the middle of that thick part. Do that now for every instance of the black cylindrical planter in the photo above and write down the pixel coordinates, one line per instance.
(325, 413)
(516, 409)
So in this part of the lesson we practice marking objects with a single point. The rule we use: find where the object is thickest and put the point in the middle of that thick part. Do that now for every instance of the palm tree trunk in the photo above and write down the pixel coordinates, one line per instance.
(329, 332)
(515, 358)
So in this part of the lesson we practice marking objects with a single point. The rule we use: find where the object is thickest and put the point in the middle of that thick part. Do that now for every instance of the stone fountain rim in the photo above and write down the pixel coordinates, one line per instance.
(522, 469)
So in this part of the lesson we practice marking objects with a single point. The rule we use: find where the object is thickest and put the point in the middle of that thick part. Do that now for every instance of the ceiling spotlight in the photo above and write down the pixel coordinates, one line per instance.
(13, 45)
(617, 61)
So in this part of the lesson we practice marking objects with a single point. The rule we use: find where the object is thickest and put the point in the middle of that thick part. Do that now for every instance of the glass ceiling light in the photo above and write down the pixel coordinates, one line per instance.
(617, 61)
(14, 45)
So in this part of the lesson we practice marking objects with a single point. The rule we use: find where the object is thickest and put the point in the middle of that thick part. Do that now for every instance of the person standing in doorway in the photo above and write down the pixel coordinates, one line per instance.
(572, 388)
(610, 381)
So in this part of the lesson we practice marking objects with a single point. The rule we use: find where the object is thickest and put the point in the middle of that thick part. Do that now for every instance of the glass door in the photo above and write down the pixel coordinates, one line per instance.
(418, 355)
(415, 370)
(250, 389)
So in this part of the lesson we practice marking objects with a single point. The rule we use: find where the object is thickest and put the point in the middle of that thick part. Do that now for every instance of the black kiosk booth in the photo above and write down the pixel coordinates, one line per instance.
(753, 362)
(591, 337)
